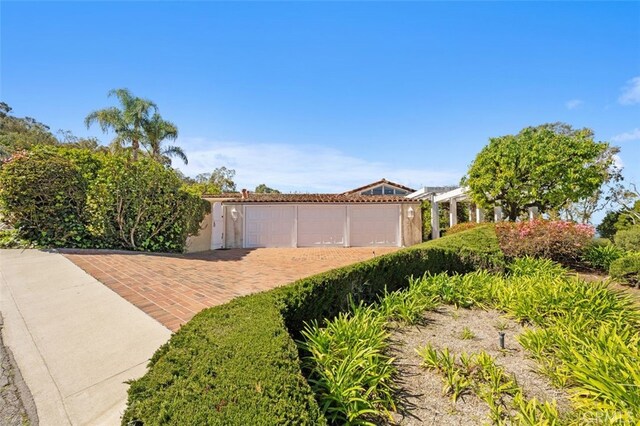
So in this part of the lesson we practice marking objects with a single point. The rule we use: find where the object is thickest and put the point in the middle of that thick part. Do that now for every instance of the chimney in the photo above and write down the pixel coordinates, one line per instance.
(245, 194)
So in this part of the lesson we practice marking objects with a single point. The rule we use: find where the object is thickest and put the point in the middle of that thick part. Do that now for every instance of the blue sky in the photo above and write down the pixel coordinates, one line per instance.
(322, 97)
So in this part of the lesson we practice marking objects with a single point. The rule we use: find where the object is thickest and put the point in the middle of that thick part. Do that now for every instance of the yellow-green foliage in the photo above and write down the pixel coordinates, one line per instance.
(626, 269)
(349, 369)
(628, 239)
(586, 336)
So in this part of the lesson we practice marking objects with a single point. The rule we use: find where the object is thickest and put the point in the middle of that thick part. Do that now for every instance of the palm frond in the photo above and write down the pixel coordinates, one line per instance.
(175, 151)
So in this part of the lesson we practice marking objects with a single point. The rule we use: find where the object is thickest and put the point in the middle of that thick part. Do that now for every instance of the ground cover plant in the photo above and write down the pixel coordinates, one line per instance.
(583, 337)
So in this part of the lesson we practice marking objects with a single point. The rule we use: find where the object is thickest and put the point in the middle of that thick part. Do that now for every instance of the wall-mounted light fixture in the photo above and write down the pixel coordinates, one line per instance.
(234, 214)
(410, 213)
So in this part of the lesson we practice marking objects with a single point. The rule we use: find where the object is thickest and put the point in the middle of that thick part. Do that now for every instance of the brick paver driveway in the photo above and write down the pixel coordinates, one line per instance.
(173, 288)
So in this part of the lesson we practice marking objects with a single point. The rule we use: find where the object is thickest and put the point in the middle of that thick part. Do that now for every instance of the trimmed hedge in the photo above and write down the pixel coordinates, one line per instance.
(232, 364)
(325, 295)
(238, 364)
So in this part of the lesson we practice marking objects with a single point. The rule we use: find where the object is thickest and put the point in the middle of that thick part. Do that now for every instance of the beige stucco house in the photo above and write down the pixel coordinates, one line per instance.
(377, 214)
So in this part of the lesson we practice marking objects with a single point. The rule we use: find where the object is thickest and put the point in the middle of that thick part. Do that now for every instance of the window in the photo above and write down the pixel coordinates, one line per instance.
(386, 190)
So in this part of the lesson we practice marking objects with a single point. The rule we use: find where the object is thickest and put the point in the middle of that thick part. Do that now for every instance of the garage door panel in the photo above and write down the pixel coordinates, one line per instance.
(269, 226)
(374, 226)
(321, 226)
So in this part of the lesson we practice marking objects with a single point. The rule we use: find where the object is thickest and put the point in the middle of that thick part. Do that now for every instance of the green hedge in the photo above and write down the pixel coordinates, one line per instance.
(238, 364)
(325, 295)
(232, 364)
(68, 197)
(626, 269)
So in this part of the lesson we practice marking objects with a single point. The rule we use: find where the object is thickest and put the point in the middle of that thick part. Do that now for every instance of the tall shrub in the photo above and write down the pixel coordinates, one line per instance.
(42, 195)
(552, 239)
(140, 206)
(628, 239)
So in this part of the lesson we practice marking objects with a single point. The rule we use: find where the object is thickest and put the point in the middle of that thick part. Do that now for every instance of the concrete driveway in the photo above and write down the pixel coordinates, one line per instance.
(173, 288)
(75, 341)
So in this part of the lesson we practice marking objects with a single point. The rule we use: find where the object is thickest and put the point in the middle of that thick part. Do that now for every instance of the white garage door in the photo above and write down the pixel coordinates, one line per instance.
(269, 226)
(321, 226)
(374, 226)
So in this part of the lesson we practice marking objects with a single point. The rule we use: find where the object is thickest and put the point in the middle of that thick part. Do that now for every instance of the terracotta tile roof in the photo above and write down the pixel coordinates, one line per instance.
(380, 182)
(309, 198)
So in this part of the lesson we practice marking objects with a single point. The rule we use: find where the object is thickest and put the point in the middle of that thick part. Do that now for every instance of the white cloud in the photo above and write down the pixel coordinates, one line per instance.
(573, 103)
(631, 92)
(302, 168)
(633, 135)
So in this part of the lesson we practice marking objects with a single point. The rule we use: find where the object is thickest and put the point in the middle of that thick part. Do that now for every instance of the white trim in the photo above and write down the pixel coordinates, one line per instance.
(456, 193)
(435, 220)
(216, 223)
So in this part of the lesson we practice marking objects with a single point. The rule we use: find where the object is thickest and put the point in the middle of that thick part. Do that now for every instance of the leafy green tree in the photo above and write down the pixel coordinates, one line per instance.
(221, 178)
(127, 122)
(156, 131)
(545, 167)
(264, 189)
(21, 133)
(607, 228)
(68, 139)
(628, 197)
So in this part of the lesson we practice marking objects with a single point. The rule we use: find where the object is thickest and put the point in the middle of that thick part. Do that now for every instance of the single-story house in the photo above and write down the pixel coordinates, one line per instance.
(378, 214)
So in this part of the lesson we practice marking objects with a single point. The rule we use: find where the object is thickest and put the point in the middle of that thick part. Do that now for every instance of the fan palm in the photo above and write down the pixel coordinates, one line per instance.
(156, 132)
(127, 123)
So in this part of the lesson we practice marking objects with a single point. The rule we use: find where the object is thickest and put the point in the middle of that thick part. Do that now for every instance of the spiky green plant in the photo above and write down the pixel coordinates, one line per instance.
(350, 371)
(467, 334)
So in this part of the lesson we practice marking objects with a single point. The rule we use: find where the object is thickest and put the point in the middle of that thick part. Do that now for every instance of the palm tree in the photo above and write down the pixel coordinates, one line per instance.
(156, 132)
(127, 123)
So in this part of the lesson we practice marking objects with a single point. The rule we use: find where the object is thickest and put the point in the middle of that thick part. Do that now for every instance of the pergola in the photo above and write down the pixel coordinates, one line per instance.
(452, 197)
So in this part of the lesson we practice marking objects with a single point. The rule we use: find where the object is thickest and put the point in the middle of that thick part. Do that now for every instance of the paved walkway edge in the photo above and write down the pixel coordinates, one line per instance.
(75, 341)
(26, 399)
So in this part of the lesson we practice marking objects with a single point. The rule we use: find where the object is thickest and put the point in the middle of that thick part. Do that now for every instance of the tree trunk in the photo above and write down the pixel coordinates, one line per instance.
(135, 145)
(512, 213)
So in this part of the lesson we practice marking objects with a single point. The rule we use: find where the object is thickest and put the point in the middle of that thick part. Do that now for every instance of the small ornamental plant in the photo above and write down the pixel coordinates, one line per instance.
(558, 240)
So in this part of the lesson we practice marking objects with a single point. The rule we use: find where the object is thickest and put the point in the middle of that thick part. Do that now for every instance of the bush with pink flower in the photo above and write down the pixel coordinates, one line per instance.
(558, 240)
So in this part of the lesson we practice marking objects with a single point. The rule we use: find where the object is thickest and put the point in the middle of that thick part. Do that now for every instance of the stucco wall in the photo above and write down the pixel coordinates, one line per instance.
(202, 241)
(411, 228)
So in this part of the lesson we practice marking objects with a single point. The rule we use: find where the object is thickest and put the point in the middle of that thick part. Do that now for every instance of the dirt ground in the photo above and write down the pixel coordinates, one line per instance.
(421, 390)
